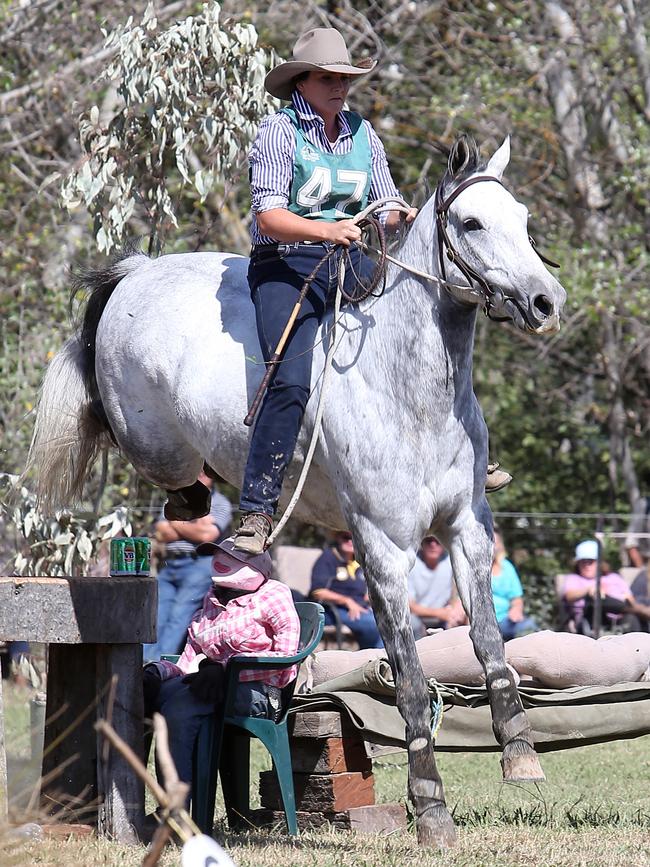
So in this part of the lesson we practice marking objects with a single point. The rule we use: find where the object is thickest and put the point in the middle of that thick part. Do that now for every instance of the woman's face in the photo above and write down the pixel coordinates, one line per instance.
(587, 568)
(345, 545)
(325, 91)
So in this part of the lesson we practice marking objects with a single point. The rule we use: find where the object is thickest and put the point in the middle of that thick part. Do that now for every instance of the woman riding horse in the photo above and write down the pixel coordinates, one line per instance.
(313, 167)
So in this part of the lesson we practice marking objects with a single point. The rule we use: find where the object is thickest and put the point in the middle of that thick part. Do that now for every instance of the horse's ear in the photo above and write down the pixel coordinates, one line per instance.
(459, 155)
(499, 160)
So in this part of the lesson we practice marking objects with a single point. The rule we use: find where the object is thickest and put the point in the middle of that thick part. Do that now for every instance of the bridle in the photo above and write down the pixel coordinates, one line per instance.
(446, 248)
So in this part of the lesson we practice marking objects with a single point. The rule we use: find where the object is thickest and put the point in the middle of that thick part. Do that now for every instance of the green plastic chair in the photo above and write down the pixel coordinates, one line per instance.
(223, 743)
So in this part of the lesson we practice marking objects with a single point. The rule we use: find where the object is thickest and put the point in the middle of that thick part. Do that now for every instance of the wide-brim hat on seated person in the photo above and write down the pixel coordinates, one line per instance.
(260, 562)
(587, 550)
(322, 49)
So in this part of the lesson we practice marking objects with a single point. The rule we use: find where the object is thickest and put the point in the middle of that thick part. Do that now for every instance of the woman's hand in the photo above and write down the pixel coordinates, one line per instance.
(395, 218)
(354, 609)
(342, 232)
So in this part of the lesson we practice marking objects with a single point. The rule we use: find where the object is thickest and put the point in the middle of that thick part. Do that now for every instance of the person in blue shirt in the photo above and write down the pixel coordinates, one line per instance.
(508, 595)
(337, 580)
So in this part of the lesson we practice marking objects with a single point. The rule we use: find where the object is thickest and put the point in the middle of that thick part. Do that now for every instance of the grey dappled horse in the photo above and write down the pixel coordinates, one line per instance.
(169, 359)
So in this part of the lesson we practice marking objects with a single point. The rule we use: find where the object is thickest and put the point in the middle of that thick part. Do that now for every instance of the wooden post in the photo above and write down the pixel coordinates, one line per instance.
(69, 752)
(95, 628)
(120, 791)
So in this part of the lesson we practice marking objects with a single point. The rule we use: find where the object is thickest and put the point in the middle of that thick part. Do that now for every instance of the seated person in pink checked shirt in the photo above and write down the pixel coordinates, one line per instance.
(244, 612)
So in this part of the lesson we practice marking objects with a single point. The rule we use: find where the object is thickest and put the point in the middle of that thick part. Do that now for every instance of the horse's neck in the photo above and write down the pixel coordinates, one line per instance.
(420, 336)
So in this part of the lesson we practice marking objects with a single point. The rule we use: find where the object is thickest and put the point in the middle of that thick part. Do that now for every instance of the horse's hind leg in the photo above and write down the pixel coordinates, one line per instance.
(159, 451)
(471, 557)
(386, 570)
(173, 465)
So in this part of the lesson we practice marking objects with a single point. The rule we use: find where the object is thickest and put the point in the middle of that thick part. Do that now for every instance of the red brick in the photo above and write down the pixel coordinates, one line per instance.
(324, 793)
(329, 756)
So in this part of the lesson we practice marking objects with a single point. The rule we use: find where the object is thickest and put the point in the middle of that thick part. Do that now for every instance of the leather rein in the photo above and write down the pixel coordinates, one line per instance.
(447, 249)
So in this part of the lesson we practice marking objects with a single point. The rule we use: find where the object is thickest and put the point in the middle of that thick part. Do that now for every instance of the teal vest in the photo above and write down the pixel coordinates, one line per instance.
(330, 186)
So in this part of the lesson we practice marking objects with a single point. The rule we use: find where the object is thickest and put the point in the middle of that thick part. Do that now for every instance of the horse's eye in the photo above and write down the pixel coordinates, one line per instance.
(472, 225)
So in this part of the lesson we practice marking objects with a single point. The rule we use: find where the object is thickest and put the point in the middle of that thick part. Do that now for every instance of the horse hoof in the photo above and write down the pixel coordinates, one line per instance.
(525, 768)
(436, 828)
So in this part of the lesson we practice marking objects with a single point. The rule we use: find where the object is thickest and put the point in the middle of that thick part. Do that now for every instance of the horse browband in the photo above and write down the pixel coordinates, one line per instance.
(442, 208)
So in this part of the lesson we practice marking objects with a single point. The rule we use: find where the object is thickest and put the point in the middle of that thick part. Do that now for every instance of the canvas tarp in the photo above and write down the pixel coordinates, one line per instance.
(560, 719)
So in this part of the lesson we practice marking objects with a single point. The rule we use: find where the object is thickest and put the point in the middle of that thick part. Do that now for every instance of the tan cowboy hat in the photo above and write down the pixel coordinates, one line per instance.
(323, 49)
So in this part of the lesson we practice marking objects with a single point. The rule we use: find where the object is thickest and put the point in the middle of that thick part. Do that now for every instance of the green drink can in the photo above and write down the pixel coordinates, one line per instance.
(122, 557)
(142, 555)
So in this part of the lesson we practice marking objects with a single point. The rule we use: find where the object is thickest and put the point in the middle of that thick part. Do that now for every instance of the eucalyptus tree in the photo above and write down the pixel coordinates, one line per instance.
(187, 100)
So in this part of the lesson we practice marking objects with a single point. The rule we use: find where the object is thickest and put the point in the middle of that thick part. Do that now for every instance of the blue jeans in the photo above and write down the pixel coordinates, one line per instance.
(182, 584)
(364, 628)
(276, 277)
(509, 629)
(184, 714)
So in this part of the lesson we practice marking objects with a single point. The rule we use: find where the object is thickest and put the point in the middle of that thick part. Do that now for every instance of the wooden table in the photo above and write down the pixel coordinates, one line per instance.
(95, 628)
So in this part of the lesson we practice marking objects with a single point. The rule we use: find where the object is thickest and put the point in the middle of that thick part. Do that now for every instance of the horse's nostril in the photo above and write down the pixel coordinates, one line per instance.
(543, 305)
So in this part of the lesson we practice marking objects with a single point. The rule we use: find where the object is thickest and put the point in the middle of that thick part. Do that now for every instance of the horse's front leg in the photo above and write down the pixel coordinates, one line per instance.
(386, 570)
(471, 557)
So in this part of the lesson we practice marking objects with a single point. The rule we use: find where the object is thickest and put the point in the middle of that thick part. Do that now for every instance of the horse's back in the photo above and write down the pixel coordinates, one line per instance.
(168, 308)
(179, 334)
(190, 282)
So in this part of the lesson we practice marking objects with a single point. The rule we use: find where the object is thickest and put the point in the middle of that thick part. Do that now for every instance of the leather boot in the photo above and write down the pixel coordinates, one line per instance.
(253, 532)
(496, 479)
(188, 503)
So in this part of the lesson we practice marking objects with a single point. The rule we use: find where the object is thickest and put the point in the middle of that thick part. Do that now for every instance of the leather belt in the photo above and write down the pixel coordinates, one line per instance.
(192, 555)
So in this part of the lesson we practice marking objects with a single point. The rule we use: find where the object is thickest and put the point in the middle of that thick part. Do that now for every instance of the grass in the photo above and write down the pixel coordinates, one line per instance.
(594, 809)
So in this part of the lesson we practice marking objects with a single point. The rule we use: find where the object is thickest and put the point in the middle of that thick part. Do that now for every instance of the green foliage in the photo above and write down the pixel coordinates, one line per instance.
(65, 544)
(190, 97)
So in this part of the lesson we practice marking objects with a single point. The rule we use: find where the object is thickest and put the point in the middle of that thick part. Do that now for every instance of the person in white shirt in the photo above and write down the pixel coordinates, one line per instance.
(432, 598)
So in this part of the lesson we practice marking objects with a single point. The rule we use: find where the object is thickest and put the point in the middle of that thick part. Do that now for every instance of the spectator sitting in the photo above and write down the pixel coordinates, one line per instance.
(337, 580)
(638, 549)
(11, 662)
(431, 588)
(244, 612)
(508, 595)
(638, 620)
(185, 578)
(579, 589)
(637, 543)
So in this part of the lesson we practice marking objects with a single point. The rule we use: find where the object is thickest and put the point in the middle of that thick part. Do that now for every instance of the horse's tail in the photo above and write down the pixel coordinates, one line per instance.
(71, 425)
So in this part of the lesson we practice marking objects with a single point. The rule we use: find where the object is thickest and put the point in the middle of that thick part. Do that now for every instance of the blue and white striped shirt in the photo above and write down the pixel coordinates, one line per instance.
(271, 159)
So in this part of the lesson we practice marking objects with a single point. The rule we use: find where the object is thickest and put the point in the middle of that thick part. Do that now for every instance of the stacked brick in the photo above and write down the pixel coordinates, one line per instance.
(333, 780)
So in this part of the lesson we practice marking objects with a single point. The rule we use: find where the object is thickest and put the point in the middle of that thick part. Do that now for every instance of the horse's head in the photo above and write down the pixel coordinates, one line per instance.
(483, 238)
